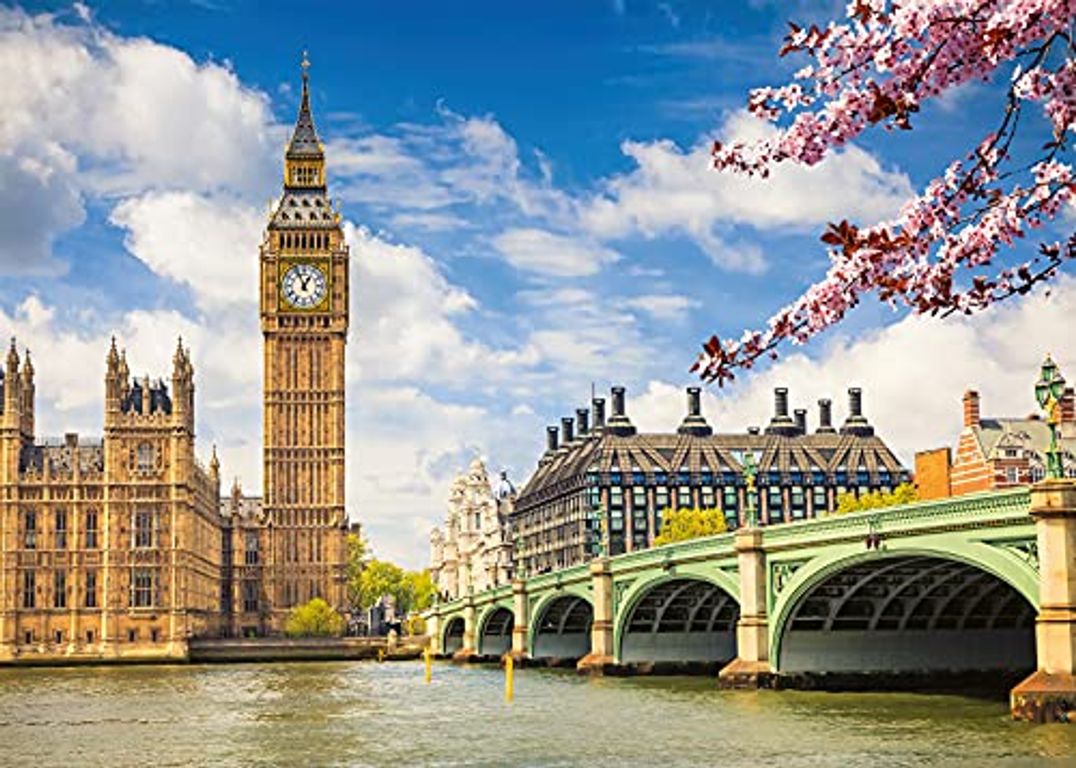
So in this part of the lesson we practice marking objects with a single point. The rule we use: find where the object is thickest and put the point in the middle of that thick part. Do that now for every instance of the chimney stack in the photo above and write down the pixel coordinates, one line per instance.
(971, 408)
(598, 406)
(619, 424)
(801, 420)
(856, 423)
(694, 423)
(1068, 413)
(551, 437)
(855, 403)
(825, 415)
(780, 402)
(567, 427)
(582, 421)
(781, 424)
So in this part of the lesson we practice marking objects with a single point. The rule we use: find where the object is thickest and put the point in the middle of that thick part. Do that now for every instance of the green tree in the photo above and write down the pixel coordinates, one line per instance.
(379, 578)
(357, 551)
(419, 590)
(904, 493)
(684, 524)
(314, 619)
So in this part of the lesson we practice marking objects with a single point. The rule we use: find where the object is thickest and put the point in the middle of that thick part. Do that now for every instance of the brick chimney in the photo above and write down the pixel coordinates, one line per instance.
(971, 408)
(1068, 413)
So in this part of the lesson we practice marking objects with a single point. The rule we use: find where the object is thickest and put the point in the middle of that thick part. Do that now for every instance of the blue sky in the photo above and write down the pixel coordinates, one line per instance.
(529, 211)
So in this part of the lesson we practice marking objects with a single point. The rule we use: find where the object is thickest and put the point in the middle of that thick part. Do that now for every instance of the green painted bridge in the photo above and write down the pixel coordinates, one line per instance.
(950, 586)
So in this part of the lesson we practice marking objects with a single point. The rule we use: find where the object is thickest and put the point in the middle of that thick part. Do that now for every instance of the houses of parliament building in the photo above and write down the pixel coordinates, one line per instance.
(122, 547)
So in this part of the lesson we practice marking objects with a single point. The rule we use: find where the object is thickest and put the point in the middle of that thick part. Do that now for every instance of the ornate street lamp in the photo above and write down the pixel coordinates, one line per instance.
(749, 472)
(1049, 390)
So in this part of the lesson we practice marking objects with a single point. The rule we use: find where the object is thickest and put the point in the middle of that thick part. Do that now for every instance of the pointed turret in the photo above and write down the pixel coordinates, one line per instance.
(304, 160)
(26, 405)
(12, 384)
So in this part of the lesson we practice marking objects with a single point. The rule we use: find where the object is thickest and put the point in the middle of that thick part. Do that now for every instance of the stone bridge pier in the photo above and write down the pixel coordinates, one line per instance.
(1049, 694)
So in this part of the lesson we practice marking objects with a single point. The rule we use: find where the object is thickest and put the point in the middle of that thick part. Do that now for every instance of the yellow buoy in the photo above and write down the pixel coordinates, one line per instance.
(509, 678)
(429, 664)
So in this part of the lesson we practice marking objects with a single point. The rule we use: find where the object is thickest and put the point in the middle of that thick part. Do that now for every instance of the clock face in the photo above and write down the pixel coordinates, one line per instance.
(304, 286)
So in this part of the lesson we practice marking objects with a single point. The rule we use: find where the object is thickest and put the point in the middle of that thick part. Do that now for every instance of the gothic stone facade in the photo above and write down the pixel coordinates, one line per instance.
(602, 489)
(473, 552)
(110, 547)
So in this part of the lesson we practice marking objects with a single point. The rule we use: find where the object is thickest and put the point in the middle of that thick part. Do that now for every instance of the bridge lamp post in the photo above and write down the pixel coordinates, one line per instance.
(749, 472)
(1049, 390)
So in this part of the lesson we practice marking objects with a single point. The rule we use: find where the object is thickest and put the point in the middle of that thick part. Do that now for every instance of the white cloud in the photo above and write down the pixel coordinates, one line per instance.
(913, 374)
(663, 306)
(135, 114)
(672, 191)
(546, 253)
(209, 243)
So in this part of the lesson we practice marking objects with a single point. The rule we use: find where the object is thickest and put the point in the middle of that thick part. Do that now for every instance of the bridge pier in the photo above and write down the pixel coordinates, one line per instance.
(1049, 694)
(468, 651)
(601, 653)
(751, 667)
(520, 621)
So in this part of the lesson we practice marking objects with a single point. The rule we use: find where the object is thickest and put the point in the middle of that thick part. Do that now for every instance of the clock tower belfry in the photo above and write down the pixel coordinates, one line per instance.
(304, 319)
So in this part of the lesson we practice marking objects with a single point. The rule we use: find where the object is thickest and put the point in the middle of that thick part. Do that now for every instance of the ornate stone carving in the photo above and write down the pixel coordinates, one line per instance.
(1026, 549)
(781, 573)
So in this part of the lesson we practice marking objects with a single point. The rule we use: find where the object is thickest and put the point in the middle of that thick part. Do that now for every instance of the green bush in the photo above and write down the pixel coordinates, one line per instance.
(314, 619)
(684, 524)
(903, 494)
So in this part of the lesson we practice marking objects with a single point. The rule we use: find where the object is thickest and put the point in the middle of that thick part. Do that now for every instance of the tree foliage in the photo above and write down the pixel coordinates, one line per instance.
(904, 493)
(410, 590)
(878, 68)
(684, 524)
(357, 552)
(314, 619)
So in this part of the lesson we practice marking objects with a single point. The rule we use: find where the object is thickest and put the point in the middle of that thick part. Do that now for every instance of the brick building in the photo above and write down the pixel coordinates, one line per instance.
(995, 452)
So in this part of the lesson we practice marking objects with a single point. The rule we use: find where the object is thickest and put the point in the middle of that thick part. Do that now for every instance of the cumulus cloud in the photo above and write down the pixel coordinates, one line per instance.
(673, 191)
(208, 243)
(547, 253)
(912, 372)
(87, 112)
(663, 306)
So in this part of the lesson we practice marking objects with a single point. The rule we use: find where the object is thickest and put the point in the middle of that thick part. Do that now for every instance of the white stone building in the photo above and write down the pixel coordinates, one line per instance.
(473, 551)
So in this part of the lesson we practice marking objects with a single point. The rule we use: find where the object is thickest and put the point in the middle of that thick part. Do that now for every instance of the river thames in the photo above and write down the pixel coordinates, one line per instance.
(368, 714)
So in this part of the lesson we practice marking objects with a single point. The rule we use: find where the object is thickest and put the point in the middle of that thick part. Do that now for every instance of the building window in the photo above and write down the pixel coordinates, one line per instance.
(91, 529)
(661, 495)
(799, 503)
(91, 589)
(250, 547)
(60, 525)
(683, 497)
(145, 457)
(132, 635)
(250, 596)
(29, 529)
(821, 505)
(638, 500)
(89, 637)
(142, 588)
(708, 499)
(59, 589)
(1012, 475)
(142, 532)
(1037, 474)
(29, 589)
(775, 504)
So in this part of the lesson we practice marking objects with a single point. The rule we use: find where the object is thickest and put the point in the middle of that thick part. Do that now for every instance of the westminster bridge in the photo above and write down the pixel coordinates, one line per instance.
(975, 584)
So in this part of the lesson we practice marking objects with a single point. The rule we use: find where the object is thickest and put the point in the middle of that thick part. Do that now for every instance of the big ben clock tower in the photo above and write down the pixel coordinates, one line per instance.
(304, 319)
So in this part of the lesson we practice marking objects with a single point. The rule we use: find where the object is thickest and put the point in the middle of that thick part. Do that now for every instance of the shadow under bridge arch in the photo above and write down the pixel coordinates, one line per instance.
(562, 629)
(680, 620)
(907, 614)
(453, 638)
(495, 639)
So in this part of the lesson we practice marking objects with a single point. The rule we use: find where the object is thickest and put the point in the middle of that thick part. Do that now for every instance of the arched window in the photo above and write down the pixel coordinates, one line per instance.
(145, 457)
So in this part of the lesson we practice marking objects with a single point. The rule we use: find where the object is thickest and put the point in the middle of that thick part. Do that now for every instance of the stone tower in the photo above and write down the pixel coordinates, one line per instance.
(304, 319)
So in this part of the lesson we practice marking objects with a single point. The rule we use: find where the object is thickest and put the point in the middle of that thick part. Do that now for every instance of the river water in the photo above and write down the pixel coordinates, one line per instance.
(369, 714)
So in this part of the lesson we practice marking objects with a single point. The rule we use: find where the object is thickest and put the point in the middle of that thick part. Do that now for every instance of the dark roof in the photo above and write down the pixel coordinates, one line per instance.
(304, 209)
(304, 140)
(721, 453)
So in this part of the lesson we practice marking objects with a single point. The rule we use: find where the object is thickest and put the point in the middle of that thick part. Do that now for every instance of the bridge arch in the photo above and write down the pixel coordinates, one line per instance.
(452, 639)
(560, 626)
(679, 616)
(961, 607)
(495, 631)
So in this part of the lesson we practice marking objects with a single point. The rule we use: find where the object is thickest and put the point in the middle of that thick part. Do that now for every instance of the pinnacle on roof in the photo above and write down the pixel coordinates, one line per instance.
(304, 140)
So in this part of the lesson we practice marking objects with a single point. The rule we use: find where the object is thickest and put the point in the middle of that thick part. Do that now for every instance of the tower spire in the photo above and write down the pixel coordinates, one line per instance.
(304, 142)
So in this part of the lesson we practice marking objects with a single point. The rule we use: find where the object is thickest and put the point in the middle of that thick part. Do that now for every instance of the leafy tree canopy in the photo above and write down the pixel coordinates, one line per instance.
(903, 494)
(314, 619)
(684, 524)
